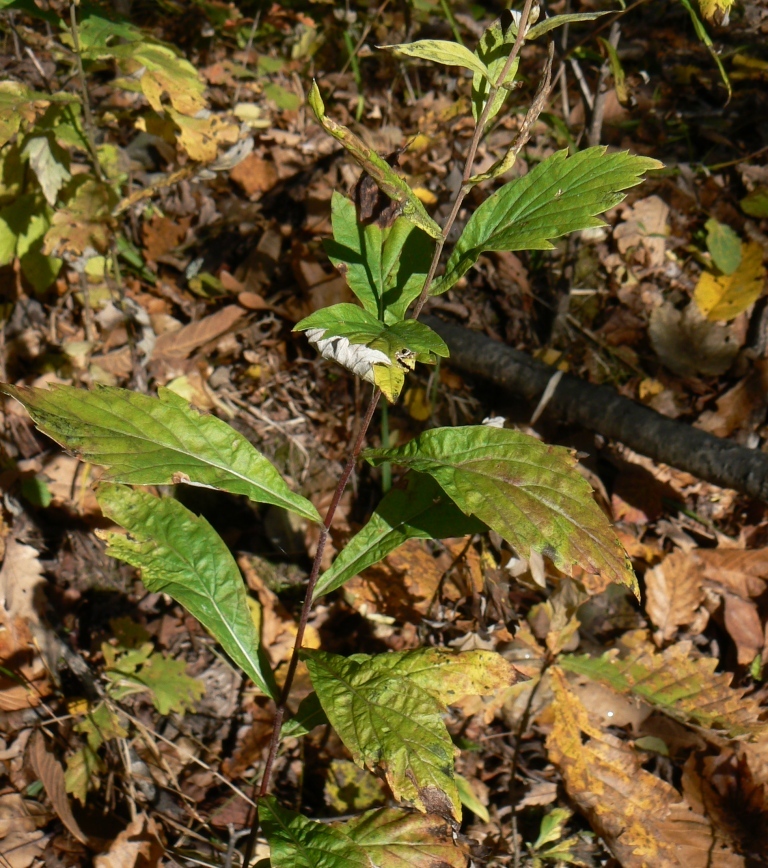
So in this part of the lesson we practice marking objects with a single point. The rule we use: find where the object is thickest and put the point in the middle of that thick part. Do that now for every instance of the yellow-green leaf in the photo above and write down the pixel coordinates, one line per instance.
(723, 297)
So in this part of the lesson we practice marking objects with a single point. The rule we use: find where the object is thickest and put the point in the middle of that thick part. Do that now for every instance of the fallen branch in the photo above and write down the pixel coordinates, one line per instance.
(602, 410)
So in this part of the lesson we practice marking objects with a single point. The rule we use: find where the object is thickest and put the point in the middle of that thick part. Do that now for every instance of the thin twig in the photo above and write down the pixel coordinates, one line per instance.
(470, 161)
(87, 114)
(601, 92)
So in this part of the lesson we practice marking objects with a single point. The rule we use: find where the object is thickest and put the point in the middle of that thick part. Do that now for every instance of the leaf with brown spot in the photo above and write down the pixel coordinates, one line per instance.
(645, 821)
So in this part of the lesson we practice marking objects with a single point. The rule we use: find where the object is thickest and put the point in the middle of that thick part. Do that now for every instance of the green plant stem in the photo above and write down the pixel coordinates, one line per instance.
(470, 161)
(386, 469)
(314, 575)
(87, 113)
(358, 445)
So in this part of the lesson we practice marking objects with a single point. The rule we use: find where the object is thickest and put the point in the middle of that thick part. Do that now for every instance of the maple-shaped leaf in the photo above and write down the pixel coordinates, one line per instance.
(527, 491)
(171, 688)
(385, 838)
(643, 819)
(143, 440)
(388, 711)
(100, 725)
(675, 682)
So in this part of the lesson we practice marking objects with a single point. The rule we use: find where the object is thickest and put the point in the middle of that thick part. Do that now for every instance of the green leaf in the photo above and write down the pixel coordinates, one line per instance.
(308, 715)
(527, 491)
(385, 838)
(548, 24)
(675, 682)
(724, 246)
(420, 510)
(182, 555)
(388, 712)
(562, 194)
(20, 103)
(384, 267)
(143, 440)
(440, 51)
(49, 162)
(82, 767)
(470, 800)
(100, 725)
(388, 181)
(493, 50)
(756, 203)
(171, 688)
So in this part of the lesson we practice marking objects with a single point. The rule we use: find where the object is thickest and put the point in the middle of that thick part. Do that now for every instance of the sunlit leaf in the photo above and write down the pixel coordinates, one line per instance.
(525, 490)
(722, 298)
(385, 838)
(724, 245)
(143, 440)
(676, 682)
(382, 173)
(441, 51)
(420, 510)
(388, 710)
(542, 27)
(492, 52)
(50, 163)
(562, 194)
(84, 221)
(181, 555)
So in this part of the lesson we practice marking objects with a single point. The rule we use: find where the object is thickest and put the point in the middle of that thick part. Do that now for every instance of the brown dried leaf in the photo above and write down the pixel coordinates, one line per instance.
(644, 820)
(183, 342)
(743, 624)
(137, 846)
(52, 778)
(161, 235)
(674, 592)
(688, 344)
(254, 175)
(645, 227)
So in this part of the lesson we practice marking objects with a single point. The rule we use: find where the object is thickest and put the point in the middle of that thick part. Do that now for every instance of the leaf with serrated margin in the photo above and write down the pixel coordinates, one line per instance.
(420, 510)
(675, 682)
(143, 440)
(440, 51)
(384, 267)
(388, 181)
(388, 710)
(386, 838)
(527, 491)
(562, 194)
(548, 24)
(181, 555)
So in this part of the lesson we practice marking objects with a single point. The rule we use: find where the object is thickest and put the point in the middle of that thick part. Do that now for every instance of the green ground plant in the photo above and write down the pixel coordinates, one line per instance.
(387, 709)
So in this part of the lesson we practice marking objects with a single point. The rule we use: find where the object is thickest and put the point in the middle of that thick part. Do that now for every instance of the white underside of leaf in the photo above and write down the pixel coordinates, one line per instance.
(357, 358)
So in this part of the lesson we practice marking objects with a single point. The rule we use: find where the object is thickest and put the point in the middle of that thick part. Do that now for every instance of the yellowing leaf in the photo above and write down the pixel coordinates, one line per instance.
(715, 10)
(201, 137)
(386, 838)
(165, 72)
(85, 220)
(682, 686)
(722, 298)
(390, 379)
(643, 819)
(388, 712)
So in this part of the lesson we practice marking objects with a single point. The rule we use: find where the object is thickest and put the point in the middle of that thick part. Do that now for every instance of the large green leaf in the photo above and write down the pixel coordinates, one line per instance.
(181, 555)
(527, 491)
(384, 267)
(420, 510)
(143, 440)
(388, 710)
(441, 51)
(675, 682)
(381, 172)
(385, 838)
(562, 194)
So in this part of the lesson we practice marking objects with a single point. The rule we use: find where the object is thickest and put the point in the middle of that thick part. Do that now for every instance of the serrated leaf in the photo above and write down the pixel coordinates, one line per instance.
(100, 725)
(143, 440)
(548, 24)
(441, 51)
(385, 268)
(182, 555)
(420, 510)
(386, 838)
(388, 712)
(83, 766)
(675, 682)
(493, 51)
(562, 194)
(50, 167)
(171, 688)
(84, 221)
(722, 298)
(724, 245)
(383, 174)
(525, 490)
